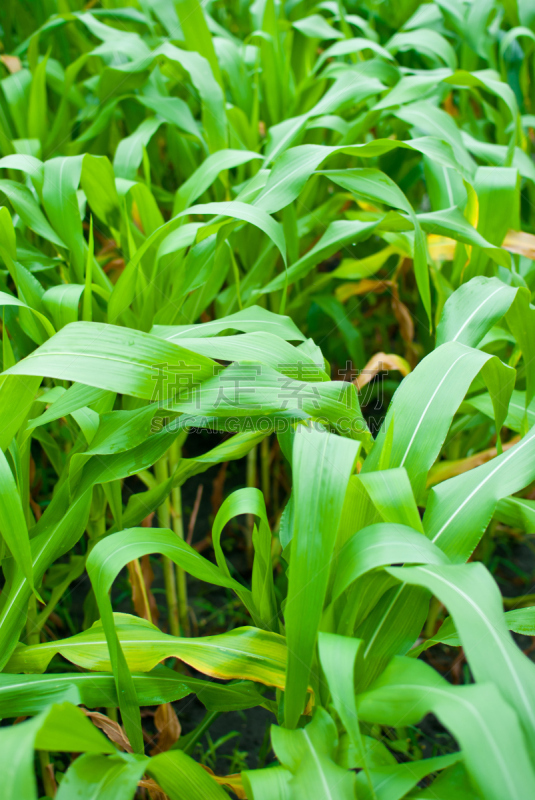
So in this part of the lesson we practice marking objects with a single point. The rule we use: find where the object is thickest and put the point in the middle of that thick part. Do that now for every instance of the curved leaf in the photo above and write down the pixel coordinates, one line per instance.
(479, 718)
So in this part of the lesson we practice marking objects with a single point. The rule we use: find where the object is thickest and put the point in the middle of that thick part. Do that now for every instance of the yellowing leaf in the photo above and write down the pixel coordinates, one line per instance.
(247, 653)
(380, 362)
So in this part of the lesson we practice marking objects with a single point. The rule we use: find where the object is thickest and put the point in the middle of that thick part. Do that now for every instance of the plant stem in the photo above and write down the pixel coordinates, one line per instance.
(175, 454)
(136, 566)
(13, 605)
(32, 629)
(47, 774)
(97, 518)
(200, 730)
(519, 601)
(161, 470)
(264, 466)
(171, 596)
(430, 624)
(251, 481)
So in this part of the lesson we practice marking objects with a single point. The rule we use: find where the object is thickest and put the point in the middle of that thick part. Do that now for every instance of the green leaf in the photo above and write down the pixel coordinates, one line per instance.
(247, 213)
(251, 501)
(336, 236)
(393, 782)
(22, 695)
(112, 358)
(129, 153)
(451, 222)
(37, 107)
(380, 545)
(479, 718)
(64, 402)
(62, 303)
(61, 728)
(261, 348)
(28, 209)
(61, 180)
(391, 493)
(13, 525)
(471, 311)
(475, 604)
(205, 175)
(182, 778)
(426, 403)
(246, 653)
(196, 32)
(350, 46)
(459, 510)
(9, 300)
(307, 754)
(336, 654)
(251, 320)
(316, 27)
(247, 391)
(321, 466)
(105, 777)
(498, 196)
(426, 41)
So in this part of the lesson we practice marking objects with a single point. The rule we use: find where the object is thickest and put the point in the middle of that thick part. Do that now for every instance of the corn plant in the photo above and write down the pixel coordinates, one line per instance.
(229, 218)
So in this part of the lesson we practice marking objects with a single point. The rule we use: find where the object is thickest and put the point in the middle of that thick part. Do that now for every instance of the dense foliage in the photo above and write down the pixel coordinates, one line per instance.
(283, 245)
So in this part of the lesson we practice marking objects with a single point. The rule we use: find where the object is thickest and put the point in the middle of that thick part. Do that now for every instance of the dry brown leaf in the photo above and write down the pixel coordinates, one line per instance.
(404, 318)
(233, 782)
(168, 727)
(195, 511)
(365, 286)
(441, 248)
(114, 265)
(218, 485)
(36, 508)
(12, 63)
(136, 217)
(450, 107)
(448, 469)
(378, 363)
(366, 206)
(520, 242)
(155, 791)
(112, 729)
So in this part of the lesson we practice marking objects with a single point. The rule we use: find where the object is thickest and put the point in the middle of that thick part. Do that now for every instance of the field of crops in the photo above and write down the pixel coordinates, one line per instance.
(267, 400)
